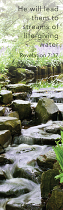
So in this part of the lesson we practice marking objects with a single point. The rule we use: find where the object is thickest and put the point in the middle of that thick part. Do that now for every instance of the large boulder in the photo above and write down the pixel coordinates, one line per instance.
(48, 182)
(23, 108)
(19, 88)
(56, 199)
(6, 96)
(5, 138)
(46, 109)
(10, 123)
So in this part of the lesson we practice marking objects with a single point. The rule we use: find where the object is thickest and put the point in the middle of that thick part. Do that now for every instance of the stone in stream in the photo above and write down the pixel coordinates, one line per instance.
(4, 160)
(56, 199)
(48, 181)
(6, 96)
(47, 161)
(46, 109)
(10, 123)
(19, 88)
(5, 138)
(37, 135)
(54, 127)
(27, 201)
(13, 114)
(2, 110)
(23, 108)
(2, 175)
(16, 186)
(22, 95)
(28, 172)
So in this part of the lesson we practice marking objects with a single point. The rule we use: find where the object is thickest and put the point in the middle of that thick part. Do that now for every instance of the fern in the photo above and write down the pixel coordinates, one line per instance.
(59, 157)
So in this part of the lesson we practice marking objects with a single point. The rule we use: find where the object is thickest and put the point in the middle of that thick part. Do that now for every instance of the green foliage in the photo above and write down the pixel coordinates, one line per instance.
(59, 156)
(22, 56)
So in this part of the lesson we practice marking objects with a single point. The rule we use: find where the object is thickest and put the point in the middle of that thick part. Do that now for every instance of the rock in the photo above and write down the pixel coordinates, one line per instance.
(21, 96)
(28, 172)
(46, 109)
(27, 201)
(54, 127)
(46, 161)
(15, 74)
(48, 182)
(37, 135)
(4, 160)
(23, 108)
(10, 123)
(6, 96)
(56, 199)
(5, 137)
(56, 165)
(15, 88)
(13, 114)
(28, 73)
(2, 110)
(15, 187)
(2, 176)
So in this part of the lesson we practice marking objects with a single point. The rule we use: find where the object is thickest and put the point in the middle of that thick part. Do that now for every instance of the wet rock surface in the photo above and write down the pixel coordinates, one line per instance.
(48, 182)
(56, 199)
(10, 123)
(46, 109)
(23, 108)
(38, 135)
(19, 88)
(2, 111)
(6, 96)
(5, 138)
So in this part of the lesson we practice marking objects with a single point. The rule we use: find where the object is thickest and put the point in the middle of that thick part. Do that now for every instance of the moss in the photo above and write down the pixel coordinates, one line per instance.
(48, 181)
(56, 200)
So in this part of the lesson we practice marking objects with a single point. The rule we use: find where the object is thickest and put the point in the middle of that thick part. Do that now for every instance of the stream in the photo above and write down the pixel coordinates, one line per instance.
(20, 173)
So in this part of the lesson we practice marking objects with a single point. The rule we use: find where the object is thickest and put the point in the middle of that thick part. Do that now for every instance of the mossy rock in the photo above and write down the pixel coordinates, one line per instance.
(14, 114)
(56, 199)
(46, 109)
(6, 96)
(48, 181)
(23, 108)
(19, 87)
(56, 165)
(5, 138)
(2, 110)
(10, 123)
